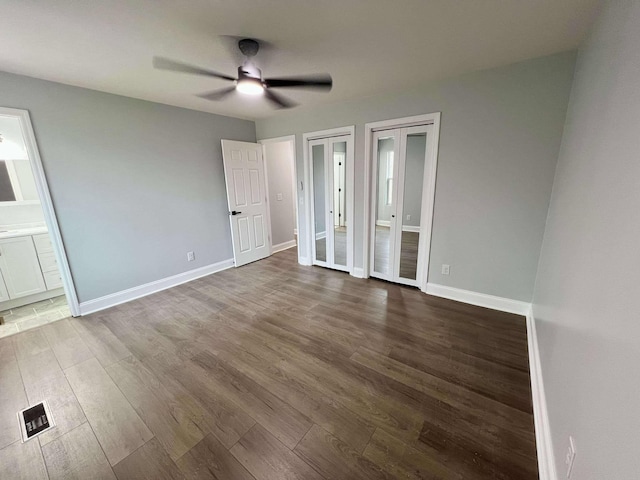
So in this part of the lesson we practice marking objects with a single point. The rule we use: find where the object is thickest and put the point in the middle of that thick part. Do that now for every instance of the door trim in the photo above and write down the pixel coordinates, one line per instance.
(370, 128)
(317, 135)
(46, 203)
(294, 172)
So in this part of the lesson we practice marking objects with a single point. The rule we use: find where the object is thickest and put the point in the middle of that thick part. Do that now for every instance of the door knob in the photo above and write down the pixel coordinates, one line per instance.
(235, 213)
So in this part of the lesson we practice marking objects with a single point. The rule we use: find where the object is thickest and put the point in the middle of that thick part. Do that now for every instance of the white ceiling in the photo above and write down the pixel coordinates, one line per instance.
(368, 46)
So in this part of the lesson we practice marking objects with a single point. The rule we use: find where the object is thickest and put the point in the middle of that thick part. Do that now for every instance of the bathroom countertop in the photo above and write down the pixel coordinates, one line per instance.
(21, 232)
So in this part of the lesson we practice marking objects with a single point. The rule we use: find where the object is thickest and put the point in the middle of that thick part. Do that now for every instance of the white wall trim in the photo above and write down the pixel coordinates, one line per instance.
(544, 445)
(321, 235)
(480, 299)
(410, 228)
(306, 261)
(283, 246)
(358, 272)
(383, 223)
(124, 296)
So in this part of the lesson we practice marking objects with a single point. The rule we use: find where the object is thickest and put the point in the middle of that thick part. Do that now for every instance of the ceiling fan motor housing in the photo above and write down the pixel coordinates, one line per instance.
(248, 47)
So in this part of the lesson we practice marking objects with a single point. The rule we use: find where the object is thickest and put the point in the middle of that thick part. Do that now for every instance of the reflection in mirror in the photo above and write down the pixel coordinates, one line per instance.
(416, 145)
(384, 206)
(320, 230)
(16, 179)
(339, 203)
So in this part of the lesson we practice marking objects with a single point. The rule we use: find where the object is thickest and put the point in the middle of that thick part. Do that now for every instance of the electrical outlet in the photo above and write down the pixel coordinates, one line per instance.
(445, 269)
(408, 217)
(571, 456)
(191, 256)
(279, 197)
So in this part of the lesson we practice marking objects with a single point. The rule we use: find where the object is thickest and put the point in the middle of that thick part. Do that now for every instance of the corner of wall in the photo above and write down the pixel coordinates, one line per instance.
(544, 444)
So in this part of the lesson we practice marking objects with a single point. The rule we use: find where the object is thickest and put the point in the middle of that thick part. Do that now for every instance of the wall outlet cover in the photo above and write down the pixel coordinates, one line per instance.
(279, 197)
(191, 256)
(445, 269)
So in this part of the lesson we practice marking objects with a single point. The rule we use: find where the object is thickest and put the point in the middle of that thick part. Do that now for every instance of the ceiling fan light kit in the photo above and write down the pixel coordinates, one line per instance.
(250, 86)
(249, 80)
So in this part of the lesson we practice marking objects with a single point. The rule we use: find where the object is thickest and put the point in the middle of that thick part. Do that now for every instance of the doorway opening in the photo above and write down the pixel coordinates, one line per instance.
(35, 282)
(401, 166)
(280, 172)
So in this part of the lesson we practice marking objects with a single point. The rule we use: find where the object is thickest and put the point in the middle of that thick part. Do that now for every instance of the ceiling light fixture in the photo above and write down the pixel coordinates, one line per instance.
(250, 86)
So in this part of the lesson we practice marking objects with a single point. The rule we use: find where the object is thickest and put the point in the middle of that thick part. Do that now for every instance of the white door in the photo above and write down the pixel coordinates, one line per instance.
(246, 195)
(332, 234)
(400, 206)
(20, 267)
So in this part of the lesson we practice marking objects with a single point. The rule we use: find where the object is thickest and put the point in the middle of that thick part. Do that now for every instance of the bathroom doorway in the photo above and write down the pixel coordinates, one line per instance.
(35, 282)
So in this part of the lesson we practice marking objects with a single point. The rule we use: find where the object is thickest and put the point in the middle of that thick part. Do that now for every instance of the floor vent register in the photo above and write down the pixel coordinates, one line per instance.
(35, 420)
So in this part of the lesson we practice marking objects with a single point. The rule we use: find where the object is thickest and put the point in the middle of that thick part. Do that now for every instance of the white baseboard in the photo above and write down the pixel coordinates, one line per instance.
(383, 223)
(410, 228)
(304, 261)
(357, 272)
(321, 235)
(479, 299)
(123, 296)
(544, 446)
(283, 246)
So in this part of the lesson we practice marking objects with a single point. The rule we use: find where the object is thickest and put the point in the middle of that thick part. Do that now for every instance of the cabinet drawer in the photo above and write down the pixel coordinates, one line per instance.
(48, 262)
(52, 279)
(43, 243)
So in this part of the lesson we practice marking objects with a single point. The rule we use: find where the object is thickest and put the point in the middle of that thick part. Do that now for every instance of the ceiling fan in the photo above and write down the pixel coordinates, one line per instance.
(249, 80)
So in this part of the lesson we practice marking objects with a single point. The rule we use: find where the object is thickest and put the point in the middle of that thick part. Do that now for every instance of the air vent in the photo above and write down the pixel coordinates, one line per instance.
(35, 420)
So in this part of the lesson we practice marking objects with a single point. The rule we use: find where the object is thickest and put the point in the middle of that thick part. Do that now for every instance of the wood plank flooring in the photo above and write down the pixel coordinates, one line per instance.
(274, 371)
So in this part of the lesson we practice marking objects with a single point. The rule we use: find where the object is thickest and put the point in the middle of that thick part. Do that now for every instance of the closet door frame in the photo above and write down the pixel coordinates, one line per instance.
(432, 121)
(346, 134)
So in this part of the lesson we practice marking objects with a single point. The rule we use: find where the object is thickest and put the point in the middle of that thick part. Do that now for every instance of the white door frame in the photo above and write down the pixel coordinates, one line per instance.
(47, 204)
(294, 179)
(350, 174)
(427, 214)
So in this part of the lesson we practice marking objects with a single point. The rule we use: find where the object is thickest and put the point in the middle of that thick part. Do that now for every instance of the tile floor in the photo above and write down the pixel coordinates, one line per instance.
(33, 315)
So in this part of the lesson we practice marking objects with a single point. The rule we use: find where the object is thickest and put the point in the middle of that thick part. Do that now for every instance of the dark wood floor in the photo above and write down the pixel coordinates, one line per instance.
(274, 371)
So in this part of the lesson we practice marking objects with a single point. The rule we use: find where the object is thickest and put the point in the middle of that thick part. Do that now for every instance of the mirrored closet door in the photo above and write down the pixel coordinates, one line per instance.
(398, 203)
(330, 193)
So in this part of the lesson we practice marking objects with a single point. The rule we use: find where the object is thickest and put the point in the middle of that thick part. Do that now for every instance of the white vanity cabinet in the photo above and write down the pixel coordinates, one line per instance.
(20, 267)
(4, 294)
(48, 262)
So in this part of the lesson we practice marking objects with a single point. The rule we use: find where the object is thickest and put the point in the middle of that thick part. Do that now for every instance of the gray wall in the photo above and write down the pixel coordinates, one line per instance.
(135, 184)
(499, 143)
(586, 299)
(278, 162)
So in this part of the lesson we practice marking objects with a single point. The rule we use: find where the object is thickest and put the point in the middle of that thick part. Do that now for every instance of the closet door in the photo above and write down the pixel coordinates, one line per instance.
(386, 152)
(398, 252)
(319, 195)
(338, 208)
(331, 225)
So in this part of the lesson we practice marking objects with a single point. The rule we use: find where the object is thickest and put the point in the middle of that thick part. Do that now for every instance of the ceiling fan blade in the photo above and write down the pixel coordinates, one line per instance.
(167, 64)
(320, 82)
(216, 95)
(278, 100)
